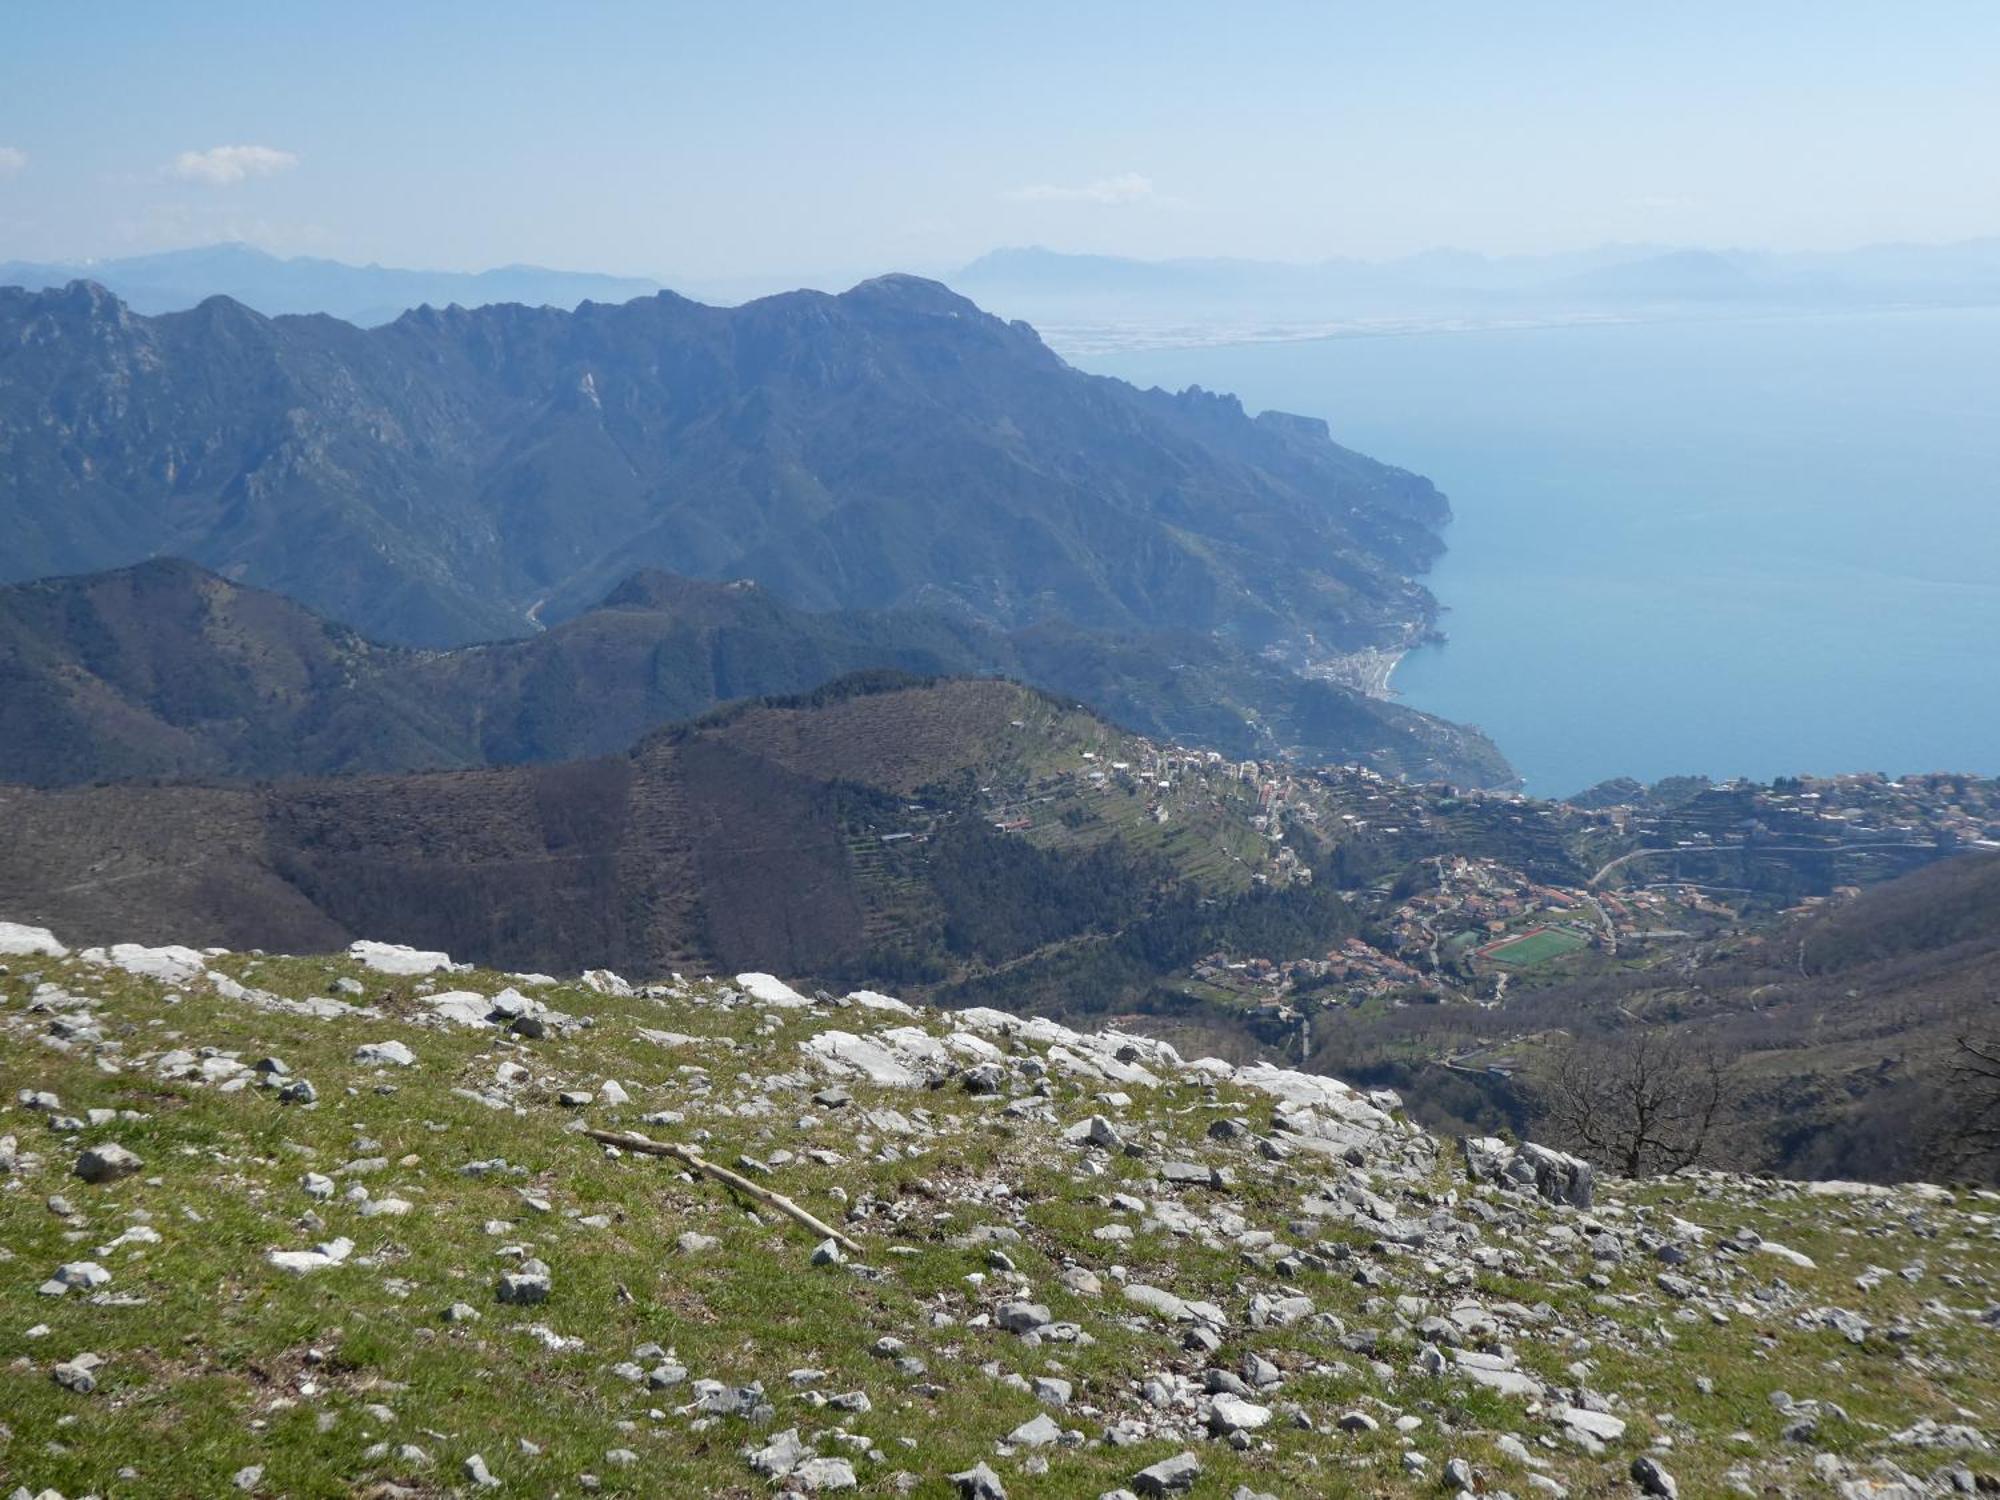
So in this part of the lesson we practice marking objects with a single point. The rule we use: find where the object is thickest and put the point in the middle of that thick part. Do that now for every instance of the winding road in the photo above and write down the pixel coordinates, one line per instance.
(1598, 878)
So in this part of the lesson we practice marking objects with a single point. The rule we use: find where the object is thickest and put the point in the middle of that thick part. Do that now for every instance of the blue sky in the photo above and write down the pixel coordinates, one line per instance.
(702, 142)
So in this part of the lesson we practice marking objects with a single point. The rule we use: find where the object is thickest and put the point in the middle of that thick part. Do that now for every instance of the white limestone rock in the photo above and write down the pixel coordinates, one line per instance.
(171, 964)
(900, 1058)
(772, 991)
(459, 1008)
(18, 941)
(870, 1000)
(395, 958)
(319, 1258)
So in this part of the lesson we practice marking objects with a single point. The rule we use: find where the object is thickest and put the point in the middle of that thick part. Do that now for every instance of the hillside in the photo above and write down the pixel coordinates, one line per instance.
(1841, 1021)
(455, 474)
(843, 834)
(980, 842)
(1848, 1020)
(166, 670)
(325, 1219)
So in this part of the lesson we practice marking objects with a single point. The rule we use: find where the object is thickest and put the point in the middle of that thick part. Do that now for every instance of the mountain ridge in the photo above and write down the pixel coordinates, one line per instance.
(433, 480)
(756, 829)
(165, 669)
(365, 295)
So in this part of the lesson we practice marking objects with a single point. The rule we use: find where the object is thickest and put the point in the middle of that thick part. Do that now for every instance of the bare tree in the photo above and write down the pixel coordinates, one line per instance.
(1641, 1103)
(1970, 1136)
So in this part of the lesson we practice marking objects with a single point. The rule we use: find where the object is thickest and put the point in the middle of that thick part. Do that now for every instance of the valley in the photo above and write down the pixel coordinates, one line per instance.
(164, 669)
(1162, 787)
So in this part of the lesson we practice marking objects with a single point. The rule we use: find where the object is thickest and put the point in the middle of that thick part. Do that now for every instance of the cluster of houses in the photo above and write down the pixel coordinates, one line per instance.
(1503, 866)
(1949, 811)
(1354, 968)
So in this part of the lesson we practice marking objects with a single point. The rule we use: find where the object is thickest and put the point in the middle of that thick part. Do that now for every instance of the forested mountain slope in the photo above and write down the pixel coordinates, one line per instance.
(837, 834)
(166, 670)
(440, 479)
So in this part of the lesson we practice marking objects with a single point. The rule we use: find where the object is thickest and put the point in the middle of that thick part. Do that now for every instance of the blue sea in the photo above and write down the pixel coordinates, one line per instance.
(1751, 547)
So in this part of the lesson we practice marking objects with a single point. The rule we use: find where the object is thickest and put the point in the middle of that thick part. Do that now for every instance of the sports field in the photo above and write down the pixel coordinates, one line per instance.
(1536, 947)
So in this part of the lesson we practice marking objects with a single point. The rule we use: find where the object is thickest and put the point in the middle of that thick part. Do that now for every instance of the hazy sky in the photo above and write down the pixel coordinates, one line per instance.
(705, 141)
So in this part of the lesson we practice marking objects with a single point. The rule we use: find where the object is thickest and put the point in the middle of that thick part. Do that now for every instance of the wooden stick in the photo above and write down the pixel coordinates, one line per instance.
(695, 1161)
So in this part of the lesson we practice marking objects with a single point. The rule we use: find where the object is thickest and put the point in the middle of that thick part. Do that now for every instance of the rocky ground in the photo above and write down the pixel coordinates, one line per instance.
(319, 1226)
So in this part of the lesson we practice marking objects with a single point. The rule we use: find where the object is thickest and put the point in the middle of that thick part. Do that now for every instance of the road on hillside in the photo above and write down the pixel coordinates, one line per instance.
(1598, 878)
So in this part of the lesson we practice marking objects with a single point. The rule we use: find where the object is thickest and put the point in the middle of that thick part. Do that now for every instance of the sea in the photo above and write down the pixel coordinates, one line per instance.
(1735, 547)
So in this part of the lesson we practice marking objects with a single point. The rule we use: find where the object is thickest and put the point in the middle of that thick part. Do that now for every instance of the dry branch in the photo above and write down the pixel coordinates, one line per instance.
(696, 1162)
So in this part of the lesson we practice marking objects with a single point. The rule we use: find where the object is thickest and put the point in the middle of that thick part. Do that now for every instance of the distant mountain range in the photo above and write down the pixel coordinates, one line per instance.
(1039, 283)
(164, 670)
(175, 280)
(1049, 285)
(460, 475)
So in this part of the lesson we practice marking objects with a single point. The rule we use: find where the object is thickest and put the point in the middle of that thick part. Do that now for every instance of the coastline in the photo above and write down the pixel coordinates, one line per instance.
(1367, 671)
(1084, 340)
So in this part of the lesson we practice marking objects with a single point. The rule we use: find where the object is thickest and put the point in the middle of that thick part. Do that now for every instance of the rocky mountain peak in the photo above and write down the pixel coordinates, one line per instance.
(914, 293)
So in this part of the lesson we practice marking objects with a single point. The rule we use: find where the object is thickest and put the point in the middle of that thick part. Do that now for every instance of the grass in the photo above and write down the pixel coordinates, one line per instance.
(1536, 947)
(228, 1363)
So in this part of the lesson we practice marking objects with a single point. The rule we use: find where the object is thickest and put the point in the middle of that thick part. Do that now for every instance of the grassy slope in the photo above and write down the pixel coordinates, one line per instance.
(229, 1363)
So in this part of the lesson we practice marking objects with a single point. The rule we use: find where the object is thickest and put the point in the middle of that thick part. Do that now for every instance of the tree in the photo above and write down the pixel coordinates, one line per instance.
(1970, 1138)
(1641, 1103)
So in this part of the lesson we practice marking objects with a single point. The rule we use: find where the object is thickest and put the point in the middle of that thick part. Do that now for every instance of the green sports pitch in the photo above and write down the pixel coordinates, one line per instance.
(1536, 947)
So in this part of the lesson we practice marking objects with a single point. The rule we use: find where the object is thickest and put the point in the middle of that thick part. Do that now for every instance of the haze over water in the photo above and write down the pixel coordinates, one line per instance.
(1750, 547)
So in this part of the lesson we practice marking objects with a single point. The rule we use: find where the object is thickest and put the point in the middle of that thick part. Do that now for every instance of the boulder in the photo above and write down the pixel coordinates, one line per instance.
(527, 1285)
(1171, 1476)
(1159, 1302)
(1234, 1414)
(979, 1483)
(394, 958)
(172, 964)
(772, 991)
(106, 1163)
(1039, 1431)
(17, 941)
(1556, 1176)
(899, 1058)
(1654, 1480)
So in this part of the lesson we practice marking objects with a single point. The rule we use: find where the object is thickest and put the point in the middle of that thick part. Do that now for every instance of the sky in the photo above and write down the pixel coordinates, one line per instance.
(703, 142)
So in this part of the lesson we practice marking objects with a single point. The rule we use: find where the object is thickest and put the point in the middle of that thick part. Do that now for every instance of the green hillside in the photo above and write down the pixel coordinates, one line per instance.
(362, 1244)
